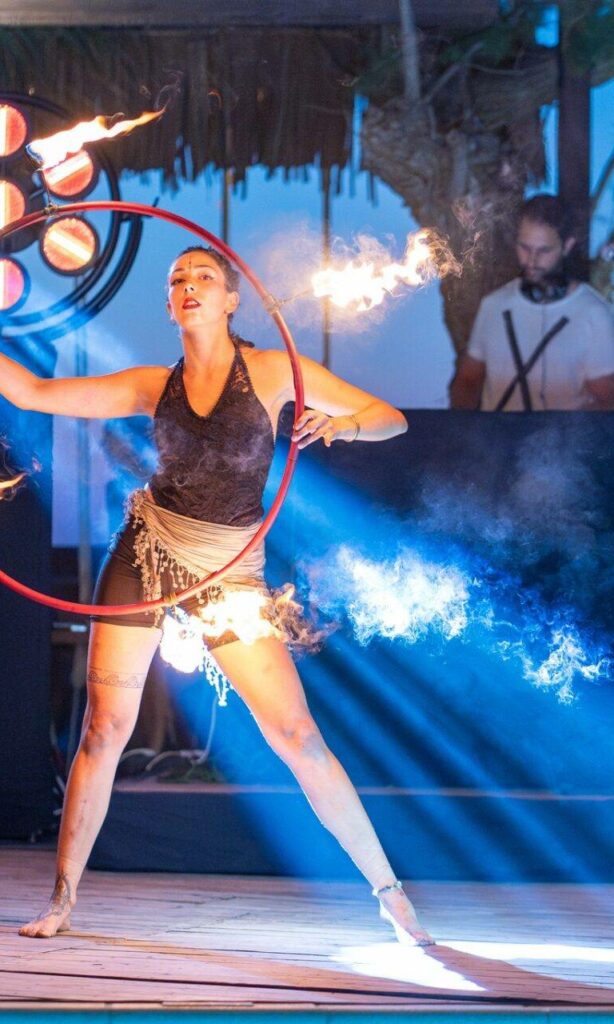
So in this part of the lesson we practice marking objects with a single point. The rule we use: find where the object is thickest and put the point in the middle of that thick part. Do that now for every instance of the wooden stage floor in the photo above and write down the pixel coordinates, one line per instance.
(244, 944)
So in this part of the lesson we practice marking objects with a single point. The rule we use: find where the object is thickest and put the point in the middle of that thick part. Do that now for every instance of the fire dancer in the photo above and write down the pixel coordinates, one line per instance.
(215, 415)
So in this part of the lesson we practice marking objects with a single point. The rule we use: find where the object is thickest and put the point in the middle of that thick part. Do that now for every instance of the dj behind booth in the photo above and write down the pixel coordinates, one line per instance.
(543, 341)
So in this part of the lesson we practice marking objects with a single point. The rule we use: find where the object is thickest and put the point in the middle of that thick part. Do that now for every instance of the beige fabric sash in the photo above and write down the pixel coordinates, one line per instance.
(189, 548)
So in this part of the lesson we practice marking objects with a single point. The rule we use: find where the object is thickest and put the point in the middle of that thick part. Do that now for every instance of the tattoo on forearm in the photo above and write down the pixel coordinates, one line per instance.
(134, 682)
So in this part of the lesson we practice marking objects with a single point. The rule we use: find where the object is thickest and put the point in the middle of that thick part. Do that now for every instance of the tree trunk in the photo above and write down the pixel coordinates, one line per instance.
(461, 160)
(466, 185)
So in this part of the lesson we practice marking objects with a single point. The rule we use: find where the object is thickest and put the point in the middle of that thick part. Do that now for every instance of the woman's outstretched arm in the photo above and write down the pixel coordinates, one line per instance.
(126, 393)
(338, 411)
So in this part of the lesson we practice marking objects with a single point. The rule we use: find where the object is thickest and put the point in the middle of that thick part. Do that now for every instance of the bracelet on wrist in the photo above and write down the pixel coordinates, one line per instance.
(354, 420)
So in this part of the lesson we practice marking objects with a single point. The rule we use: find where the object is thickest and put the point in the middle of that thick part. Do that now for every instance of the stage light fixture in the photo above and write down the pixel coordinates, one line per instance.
(69, 245)
(72, 178)
(13, 285)
(96, 261)
(13, 129)
(19, 193)
(12, 202)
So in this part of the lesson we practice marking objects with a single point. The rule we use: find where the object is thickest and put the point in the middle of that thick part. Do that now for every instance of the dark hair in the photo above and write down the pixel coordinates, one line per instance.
(549, 210)
(232, 277)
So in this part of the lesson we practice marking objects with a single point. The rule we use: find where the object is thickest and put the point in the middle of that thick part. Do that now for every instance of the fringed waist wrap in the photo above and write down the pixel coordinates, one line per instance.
(184, 551)
(190, 549)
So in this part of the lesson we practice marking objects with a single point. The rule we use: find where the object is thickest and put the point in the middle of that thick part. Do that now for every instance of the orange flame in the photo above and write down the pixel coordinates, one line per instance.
(239, 611)
(55, 148)
(249, 613)
(367, 283)
(14, 481)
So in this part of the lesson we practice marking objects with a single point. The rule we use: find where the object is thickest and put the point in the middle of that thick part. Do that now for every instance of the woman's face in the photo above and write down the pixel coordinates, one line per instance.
(197, 292)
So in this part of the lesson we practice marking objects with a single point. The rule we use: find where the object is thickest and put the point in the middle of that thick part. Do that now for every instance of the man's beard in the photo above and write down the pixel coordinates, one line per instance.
(547, 287)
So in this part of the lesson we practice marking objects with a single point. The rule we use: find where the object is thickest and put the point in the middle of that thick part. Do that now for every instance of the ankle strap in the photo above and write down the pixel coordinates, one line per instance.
(387, 888)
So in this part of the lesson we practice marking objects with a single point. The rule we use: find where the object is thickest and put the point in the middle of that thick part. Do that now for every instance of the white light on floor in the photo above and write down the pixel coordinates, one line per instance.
(415, 966)
(534, 951)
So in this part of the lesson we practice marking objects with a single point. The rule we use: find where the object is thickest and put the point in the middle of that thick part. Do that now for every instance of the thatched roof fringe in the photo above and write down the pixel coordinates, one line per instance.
(279, 98)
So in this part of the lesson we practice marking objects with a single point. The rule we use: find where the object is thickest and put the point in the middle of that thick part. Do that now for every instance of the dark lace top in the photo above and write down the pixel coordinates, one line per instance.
(213, 467)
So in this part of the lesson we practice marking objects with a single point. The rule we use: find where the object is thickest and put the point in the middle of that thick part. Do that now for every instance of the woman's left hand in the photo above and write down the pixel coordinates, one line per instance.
(313, 425)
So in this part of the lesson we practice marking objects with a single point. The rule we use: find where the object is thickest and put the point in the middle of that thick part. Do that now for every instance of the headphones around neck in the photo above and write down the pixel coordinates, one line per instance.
(552, 287)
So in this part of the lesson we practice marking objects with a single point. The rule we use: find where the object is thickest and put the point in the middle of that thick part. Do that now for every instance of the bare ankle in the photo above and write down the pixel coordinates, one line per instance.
(68, 876)
(64, 895)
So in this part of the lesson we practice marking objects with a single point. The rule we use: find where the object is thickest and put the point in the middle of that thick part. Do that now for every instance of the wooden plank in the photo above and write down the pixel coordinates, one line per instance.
(119, 990)
(149, 939)
(214, 13)
(444, 970)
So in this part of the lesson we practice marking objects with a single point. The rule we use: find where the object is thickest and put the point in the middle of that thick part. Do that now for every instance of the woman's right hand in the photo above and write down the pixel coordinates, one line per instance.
(313, 425)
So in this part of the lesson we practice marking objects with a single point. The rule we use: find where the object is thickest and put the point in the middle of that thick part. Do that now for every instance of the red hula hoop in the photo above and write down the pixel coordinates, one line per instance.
(270, 306)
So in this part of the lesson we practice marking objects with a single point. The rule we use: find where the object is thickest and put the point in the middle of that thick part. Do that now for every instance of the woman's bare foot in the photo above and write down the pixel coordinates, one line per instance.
(399, 911)
(56, 915)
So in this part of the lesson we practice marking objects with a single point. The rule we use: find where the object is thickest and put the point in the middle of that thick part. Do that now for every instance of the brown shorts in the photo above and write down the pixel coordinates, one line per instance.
(119, 582)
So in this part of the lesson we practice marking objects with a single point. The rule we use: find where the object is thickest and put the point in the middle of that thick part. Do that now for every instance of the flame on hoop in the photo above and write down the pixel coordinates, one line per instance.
(8, 487)
(240, 612)
(237, 611)
(249, 613)
(54, 149)
(366, 283)
(183, 636)
(12, 478)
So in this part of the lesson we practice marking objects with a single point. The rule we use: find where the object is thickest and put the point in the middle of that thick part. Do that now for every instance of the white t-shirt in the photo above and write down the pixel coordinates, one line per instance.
(581, 351)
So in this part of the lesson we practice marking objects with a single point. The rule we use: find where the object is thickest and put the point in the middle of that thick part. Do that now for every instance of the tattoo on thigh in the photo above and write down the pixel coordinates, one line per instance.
(134, 682)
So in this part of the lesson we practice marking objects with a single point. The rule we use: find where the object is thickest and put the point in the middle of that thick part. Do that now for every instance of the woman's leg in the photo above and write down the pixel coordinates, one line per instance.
(264, 675)
(118, 660)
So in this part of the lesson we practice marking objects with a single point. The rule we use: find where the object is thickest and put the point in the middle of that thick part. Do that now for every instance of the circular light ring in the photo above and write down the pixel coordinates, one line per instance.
(18, 193)
(73, 177)
(69, 245)
(12, 202)
(273, 309)
(90, 294)
(13, 129)
(14, 284)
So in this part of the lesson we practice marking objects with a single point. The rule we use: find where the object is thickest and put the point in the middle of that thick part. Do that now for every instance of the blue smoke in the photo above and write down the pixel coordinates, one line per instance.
(508, 552)
(412, 597)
